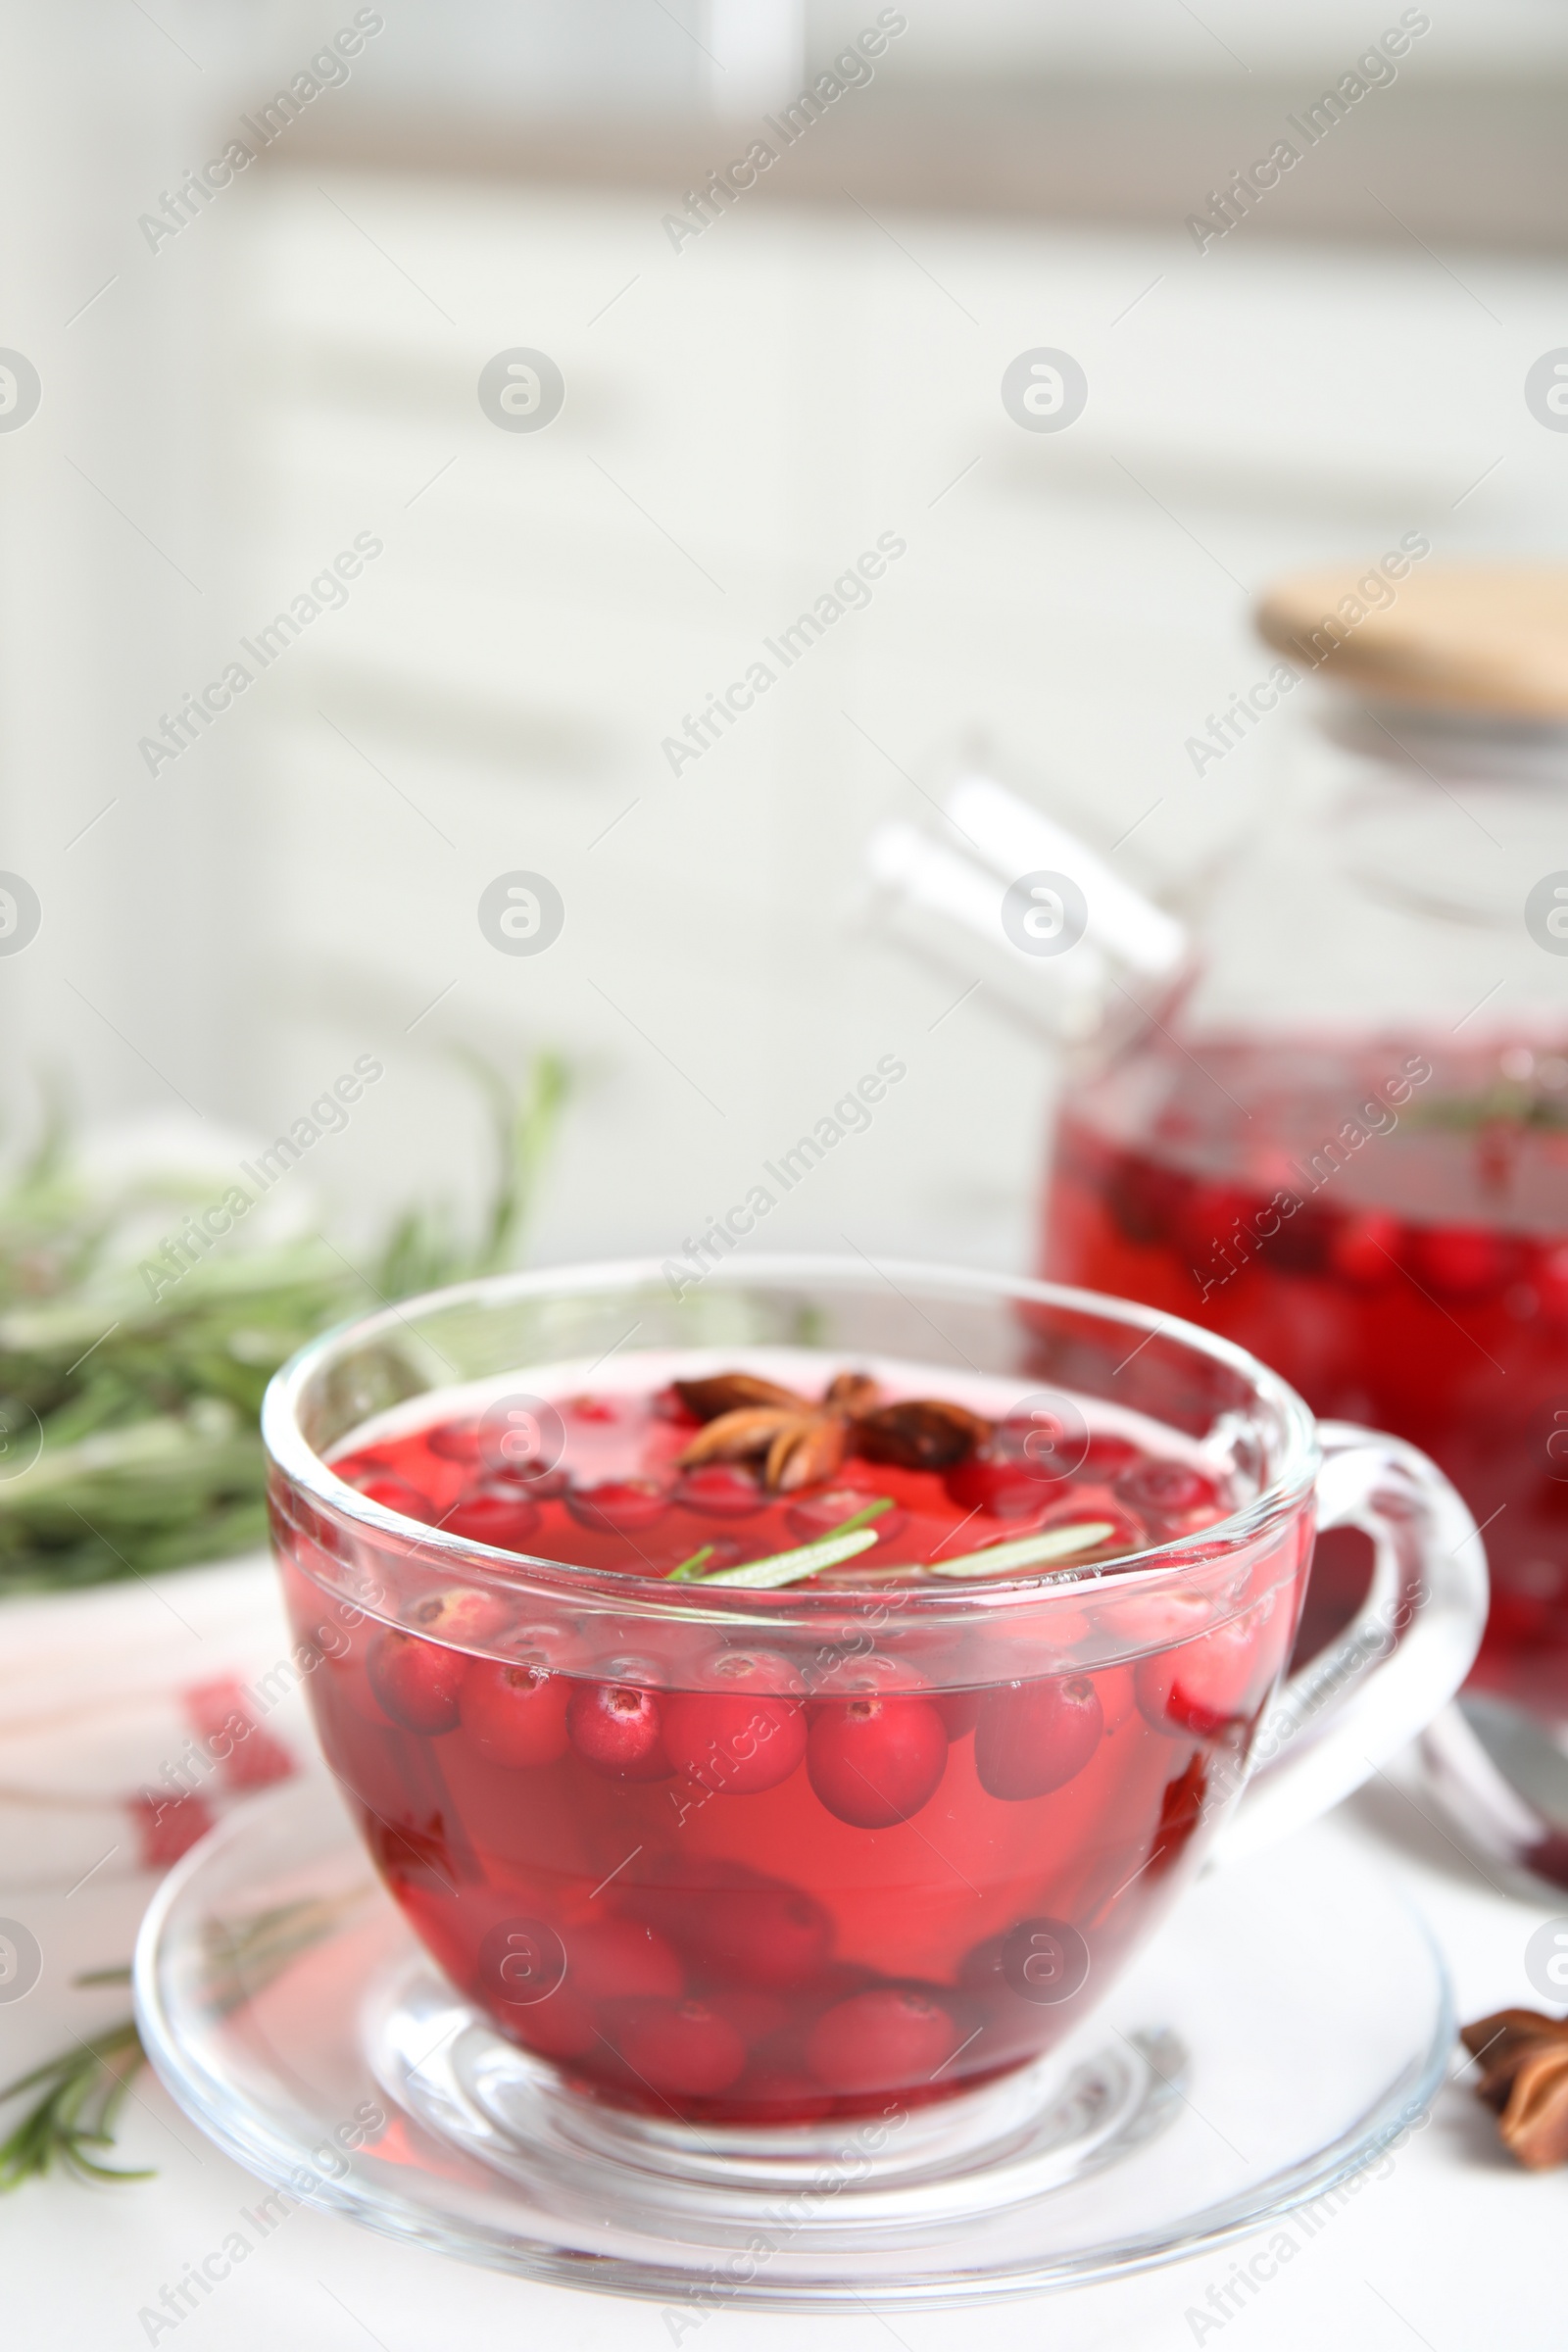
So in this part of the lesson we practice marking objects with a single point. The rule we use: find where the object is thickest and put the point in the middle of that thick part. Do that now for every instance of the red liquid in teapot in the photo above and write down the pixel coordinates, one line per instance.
(1418, 1284)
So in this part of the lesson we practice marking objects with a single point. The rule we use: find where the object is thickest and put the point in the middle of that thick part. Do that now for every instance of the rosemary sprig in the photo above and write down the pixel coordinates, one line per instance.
(83, 2088)
(790, 1567)
(82, 2093)
(1027, 1551)
(853, 1534)
(841, 1542)
(244, 1956)
(690, 1569)
(151, 1456)
(1506, 1102)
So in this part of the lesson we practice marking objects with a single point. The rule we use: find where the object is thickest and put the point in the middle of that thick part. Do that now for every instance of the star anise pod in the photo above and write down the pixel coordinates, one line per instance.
(1523, 2058)
(801, 1440)
(922, 1432)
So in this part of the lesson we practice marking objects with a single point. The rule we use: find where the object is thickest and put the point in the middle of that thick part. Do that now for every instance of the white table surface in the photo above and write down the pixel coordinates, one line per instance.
(1454, 2247)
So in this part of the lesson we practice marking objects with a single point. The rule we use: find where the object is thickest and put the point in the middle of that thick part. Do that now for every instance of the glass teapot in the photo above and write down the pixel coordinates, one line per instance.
(1329, 1116)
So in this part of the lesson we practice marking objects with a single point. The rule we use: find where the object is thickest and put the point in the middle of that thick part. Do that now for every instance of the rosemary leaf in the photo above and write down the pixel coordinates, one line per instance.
(690, 1568)
(151, 1456)
(788, 1567)
(1028, 1551)
(841, 1542)
(81, 2093)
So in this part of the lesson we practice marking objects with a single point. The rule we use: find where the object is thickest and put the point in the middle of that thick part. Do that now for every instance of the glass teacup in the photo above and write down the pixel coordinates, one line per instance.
(751, 1791)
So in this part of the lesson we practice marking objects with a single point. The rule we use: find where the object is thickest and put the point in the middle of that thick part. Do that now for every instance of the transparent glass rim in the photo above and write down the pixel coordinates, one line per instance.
(292, 1454)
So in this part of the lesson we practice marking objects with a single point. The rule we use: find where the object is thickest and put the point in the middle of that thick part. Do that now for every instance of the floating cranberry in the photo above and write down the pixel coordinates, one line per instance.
(1521, 1617)
(1040, 1961)
(1364, 1251)
(1044, 1433)
(774, 1937)
(592, 1408)
(617, 1729)
(415, 1861)
(1181, 1812)
(417, 1682)
(416, 1677)
(514, 1715)
(1171, 1488)
(738, 1928)
(755, 2016)
(395, 1494)
(1205, 1687)
(667, 1404)
(837, 1982)
(1178, 1614)
(890, 2039)
(538, 1641)
(532, 1479)
(1037, 1735)
(1000, 1483)
(685, 2049)
(721, 1491)
(746, 1670)
(350, 1673)
(563, 2027)
(873, 1761)
(621, 1959)
(960, 1710)
(618, 1506)
(368, 1462)
(980, 1971)
(454, 1440)
(1217, 1228)
(819, 1514)
(740, 1741)
(1462, 1261)
(1107, 1455)
(493, 1513)
(460, 1613)
(862, 1672)
(1145, 1199)
(1549, 1274)
(1304, 1241)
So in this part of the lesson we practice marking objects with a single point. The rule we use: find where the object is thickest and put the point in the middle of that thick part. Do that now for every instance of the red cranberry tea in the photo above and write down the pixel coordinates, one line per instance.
(1388, 1229)
(735, 1870)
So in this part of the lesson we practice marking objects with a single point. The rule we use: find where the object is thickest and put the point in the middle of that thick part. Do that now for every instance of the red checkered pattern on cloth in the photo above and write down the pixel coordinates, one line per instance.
(134, 1716)
(244, 1755)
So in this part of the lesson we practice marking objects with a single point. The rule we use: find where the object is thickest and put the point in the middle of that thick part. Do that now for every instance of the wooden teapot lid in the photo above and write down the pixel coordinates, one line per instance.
(1480, 637)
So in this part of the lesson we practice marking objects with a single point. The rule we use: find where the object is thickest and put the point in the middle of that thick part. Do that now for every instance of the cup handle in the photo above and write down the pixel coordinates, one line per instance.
(1400, 1660)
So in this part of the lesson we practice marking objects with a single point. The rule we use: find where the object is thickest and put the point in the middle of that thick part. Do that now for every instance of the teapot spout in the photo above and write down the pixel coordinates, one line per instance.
(997, 893)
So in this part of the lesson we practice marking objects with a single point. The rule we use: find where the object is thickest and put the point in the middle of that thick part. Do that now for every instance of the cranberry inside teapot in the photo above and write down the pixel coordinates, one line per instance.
(1385, 1223)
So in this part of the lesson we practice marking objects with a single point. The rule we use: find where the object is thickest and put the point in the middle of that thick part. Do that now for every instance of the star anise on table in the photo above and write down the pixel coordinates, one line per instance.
(1523, 2057)
(800, 1439)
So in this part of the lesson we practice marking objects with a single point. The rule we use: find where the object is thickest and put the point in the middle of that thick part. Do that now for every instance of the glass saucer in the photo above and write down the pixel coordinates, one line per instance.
(1289, 2020)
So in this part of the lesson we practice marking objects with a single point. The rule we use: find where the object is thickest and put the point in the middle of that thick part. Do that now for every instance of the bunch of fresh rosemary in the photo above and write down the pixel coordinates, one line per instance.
(150, 1456)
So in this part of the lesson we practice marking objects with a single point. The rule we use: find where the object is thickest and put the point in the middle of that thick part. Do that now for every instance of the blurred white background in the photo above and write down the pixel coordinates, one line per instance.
(744, 416)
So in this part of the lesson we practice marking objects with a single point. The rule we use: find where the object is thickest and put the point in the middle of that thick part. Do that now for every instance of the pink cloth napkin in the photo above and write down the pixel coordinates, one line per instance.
(132, 1716)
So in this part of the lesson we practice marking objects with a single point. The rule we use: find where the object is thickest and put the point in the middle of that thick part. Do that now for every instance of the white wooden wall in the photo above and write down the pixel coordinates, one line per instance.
(745, 418)
(742, 418)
